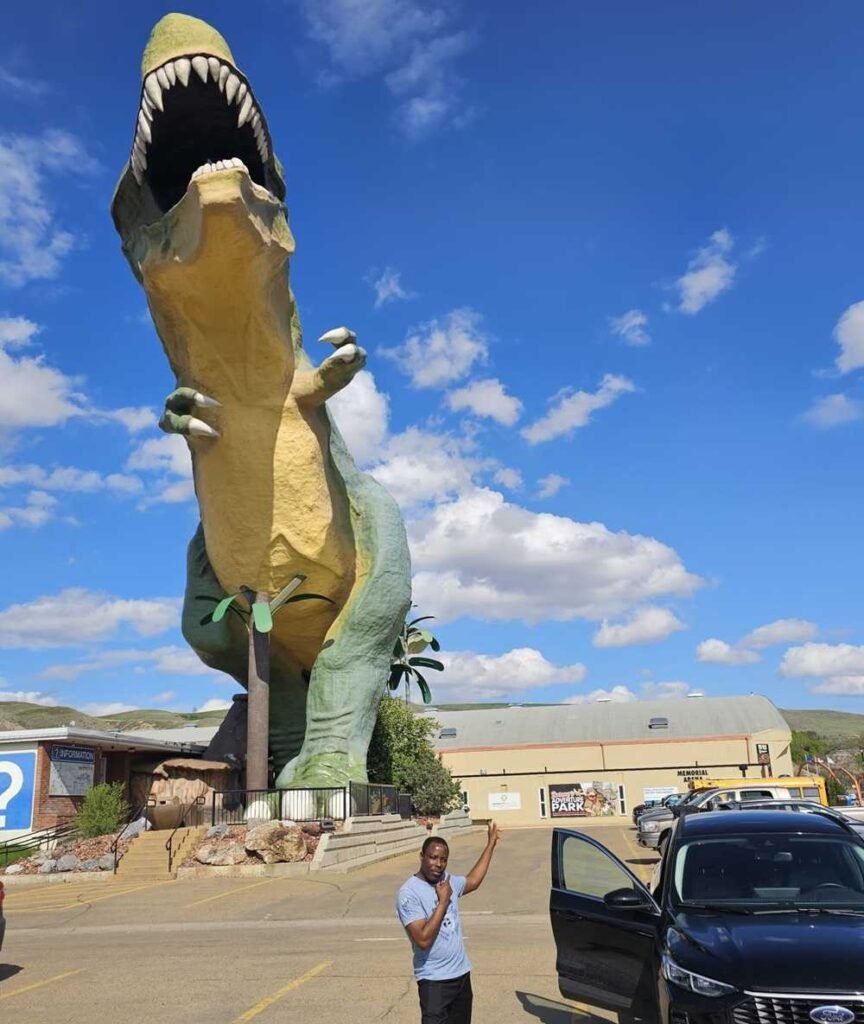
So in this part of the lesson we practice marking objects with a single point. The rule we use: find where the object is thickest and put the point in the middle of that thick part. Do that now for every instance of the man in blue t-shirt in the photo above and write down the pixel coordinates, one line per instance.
(428, 907)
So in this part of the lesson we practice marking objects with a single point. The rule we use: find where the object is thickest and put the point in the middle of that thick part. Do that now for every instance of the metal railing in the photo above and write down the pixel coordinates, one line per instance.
(373, 798)
(236, 806)
(188, 813)
(36, 840)
(134, 814)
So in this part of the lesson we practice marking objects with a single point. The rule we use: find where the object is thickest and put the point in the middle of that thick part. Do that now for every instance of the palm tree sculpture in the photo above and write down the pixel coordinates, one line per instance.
(410, 643)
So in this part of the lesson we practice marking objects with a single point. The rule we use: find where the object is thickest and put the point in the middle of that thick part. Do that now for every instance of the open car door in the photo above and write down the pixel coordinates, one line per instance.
(605, 923)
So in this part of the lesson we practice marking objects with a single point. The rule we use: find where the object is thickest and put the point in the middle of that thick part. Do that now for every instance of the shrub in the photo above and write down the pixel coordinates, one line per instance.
(104, 810)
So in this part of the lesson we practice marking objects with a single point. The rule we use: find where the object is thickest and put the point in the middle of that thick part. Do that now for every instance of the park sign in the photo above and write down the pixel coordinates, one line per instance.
(72, 770)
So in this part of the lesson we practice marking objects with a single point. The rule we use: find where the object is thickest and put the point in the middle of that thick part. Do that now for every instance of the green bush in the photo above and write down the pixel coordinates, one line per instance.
(104, 810)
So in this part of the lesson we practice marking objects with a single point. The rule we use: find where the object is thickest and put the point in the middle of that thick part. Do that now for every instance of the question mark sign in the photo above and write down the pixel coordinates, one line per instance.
(16, 784)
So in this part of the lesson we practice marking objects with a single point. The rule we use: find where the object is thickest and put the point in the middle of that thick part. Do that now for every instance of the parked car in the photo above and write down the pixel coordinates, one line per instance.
(2, 918)
(667, 801)
(655, 823)
(804, 807)
(757, 916)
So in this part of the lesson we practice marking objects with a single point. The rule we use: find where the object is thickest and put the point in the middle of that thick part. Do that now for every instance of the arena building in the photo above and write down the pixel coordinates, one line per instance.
(532, 764)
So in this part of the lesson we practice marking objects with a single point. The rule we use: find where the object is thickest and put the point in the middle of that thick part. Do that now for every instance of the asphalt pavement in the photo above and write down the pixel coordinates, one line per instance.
(228, 951)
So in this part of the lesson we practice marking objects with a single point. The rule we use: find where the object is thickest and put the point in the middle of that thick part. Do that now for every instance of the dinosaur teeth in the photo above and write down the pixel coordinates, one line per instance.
(232, 84)
(202, 68)
(245, 110)
(171, 73)
(183, 68)
(162, 79)
(215, 67)
(220, 165)
(223, 77)
(144, 127)
(154, 91)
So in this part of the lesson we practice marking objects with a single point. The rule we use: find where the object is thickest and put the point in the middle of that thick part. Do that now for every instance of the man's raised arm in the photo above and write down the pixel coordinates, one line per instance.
(476, 875)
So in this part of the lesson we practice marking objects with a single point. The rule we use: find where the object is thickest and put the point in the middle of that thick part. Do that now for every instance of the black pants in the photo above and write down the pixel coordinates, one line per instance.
(446, 1002)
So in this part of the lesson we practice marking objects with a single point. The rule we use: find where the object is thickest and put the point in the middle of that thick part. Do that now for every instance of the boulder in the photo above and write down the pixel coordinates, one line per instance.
(14, 869)
(217, 831)
(106, 862)
(68, 862)
(209, 853)
(46, 867)
(135, 828)
(311, 828)
(91, 864)
(276, 844)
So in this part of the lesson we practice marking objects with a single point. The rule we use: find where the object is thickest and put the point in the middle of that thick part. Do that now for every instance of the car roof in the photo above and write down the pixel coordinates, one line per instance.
(714, 822)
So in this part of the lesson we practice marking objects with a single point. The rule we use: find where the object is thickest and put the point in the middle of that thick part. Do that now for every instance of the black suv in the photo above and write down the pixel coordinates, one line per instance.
(757, 918)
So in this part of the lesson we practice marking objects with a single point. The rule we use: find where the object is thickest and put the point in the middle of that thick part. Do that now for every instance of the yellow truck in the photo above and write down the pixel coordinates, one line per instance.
(801, 787)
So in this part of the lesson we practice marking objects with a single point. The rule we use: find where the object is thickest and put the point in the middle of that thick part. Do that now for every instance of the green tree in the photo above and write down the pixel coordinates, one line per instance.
(406, 663)
(804, 743)
(401, 754)
(103, 811)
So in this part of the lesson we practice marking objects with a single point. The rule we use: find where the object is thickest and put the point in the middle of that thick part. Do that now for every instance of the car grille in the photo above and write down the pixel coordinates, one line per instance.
(788, 1010)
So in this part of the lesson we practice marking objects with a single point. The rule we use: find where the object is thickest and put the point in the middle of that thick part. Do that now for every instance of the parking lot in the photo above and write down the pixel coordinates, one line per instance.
(225, 951)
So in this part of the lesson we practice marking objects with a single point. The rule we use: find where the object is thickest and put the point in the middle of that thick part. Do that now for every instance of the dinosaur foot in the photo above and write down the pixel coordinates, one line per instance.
(322, 770)
(178, 419)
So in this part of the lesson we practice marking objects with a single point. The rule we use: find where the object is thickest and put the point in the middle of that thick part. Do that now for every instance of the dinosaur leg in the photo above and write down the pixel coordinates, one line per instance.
(351, 671)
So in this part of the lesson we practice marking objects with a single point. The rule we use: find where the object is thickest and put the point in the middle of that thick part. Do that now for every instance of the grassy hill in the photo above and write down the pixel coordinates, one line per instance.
(34, 716)
(832, 725)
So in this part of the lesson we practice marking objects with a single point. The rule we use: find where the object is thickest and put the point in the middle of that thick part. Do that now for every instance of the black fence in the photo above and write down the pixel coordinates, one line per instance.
(237, 806)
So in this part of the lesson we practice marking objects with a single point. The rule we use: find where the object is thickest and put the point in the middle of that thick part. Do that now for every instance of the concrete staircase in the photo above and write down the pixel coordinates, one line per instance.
(146, 860)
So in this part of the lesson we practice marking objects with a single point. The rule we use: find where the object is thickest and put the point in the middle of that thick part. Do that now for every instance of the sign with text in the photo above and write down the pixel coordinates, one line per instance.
(582, 799)
(692, 773)
(72, 770)
(763, 755)
(17, 785)
(657, 793)
(505, 801)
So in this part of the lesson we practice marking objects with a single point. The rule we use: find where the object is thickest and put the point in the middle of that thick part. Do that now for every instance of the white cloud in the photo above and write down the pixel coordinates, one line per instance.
(168, 457)
(100, 709)
(849, 335)
(214, 704)
(168, 660)
(823, 660)
(617, 695)
(480, 556)
(437, 354)
(841, 686)
(486, 398)
(27, 697)
(664, 691)
(631, 327)
(508, 477)
(388, 287)
(361, 413)
(470, 674)
(781, 631)
(30, 88)
(709, 273)
(166, 697)
(834, 410)
(75, 617)
(718, 652)
(17, 331)
(645, 625)
(573, 410)
(32, 245)
(406, 41)
(549, 486)
(32, 393)
(67, 478)
(134, 418)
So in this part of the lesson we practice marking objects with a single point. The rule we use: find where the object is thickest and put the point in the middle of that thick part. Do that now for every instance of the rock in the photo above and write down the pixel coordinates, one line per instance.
(106, 862)
(68, 862)
(276, 844)
(209, 853)
(311, 828)
(217, 831)
(91, 864)
(135, 828)
(40, 858)
(14, 869)
(46, 867)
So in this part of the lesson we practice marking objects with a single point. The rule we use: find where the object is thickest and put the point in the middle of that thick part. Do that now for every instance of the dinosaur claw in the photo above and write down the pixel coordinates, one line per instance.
(205, 402)
(198, 428)
(338, 336)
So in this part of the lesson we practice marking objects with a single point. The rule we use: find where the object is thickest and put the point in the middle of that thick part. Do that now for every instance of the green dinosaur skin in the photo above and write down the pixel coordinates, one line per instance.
(328, 667)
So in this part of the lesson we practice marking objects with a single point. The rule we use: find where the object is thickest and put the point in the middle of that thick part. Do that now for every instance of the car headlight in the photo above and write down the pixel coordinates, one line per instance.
(697, 983)
(649, 826)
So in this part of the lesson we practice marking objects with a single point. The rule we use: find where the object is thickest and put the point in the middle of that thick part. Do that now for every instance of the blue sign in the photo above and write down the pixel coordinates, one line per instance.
(75, 755)
(17, 777)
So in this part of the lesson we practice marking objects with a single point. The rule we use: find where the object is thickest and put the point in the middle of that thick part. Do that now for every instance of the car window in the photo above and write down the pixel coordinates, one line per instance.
(755, 794)
(811, 793)
(589, 871)
(770, 869)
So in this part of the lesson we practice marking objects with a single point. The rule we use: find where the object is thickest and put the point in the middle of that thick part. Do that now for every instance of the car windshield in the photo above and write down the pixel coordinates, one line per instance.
(769, 871)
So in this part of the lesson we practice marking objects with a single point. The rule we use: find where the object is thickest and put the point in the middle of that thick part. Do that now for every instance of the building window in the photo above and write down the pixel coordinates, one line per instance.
(542, 801)
(622, 801)
(465, 801)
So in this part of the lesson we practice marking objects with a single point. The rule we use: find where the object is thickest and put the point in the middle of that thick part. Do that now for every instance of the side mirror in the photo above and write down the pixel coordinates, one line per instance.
(626, 899)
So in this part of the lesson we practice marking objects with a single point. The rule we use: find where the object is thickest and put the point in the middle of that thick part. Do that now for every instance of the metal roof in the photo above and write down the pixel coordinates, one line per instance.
(688, 718)
(115, 740)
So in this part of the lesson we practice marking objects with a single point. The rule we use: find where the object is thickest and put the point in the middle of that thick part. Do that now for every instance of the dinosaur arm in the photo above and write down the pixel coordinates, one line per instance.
(316, 386)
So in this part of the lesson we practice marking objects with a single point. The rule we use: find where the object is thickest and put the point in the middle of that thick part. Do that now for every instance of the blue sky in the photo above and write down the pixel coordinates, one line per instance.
(605, 260)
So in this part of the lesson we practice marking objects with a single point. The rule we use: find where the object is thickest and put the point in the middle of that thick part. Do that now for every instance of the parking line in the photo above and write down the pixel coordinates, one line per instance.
(230, 892)
(81, 902)
(39, 984)
(253, 1011)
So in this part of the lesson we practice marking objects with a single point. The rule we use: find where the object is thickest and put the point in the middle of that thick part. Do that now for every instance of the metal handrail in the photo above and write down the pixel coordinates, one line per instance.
(197, 802)
(133, 815)
(35, 839)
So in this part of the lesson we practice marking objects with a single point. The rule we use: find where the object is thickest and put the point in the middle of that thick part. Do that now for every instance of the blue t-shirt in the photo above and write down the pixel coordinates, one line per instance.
(446, 958)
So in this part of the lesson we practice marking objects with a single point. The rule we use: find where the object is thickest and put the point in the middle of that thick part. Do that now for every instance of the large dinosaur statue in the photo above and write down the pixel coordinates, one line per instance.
(199, 208)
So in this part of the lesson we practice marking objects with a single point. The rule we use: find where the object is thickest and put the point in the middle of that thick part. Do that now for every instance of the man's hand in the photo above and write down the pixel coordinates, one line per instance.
(444, 891)
(494, 835)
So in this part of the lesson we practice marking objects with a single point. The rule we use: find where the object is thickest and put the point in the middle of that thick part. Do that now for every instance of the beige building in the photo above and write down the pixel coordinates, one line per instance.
(529, 764)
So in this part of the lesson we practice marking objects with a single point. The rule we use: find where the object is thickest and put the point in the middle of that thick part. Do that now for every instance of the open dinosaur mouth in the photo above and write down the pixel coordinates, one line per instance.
(198, 115)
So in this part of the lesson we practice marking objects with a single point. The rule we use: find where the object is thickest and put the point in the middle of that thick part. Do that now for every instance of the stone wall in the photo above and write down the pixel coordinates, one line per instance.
(366, 840)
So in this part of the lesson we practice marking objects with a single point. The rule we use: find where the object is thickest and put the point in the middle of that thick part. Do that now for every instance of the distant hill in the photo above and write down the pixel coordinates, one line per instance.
(35, 716)
(832, 725)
